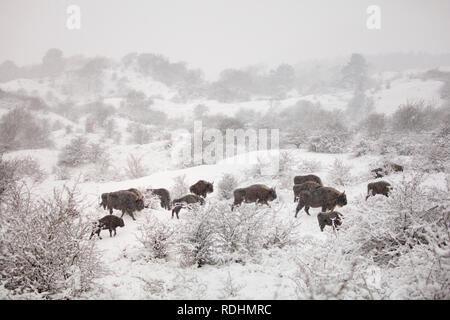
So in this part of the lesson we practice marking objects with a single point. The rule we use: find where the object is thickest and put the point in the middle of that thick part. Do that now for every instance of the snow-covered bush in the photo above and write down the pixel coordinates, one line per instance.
(197, 238)
(78, 152)
(405, 234)
(436, 154)
(156, 236)
(62, 172)
(309, 165)
(19, 129)
(135, 167)
(328, 143)
(339, 173)
(44, 244)
(213, 234)
(180, 187)
(226, 186)
(140, 134)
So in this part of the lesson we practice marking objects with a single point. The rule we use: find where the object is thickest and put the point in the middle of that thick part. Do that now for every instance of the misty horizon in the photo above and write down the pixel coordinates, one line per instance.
(214, 36)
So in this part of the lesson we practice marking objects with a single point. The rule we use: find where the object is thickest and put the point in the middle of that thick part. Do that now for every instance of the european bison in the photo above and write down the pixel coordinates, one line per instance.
(104, 196)
(306, 178)
(332, 219)
(186, 200)
(201, 188)
(258, 193)
(109, 222)
(164, 197)
(307, 186)
(379, 187)
(136, 192)
(326, 197)
(386, 169)
(125, 201)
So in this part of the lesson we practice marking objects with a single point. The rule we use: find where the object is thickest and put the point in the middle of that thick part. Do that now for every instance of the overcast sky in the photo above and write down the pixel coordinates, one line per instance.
(215, 34)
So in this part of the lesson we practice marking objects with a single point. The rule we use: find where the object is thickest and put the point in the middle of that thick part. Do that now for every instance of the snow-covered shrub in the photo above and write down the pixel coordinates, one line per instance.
(19, 129)
(328, 143)
(28, 167)
(286, 162)
(410, 117)
(197, 243)
(140, 134)
(230, 288)
(339, 173)
(218, 235)
(226, 186)
(44, 244)
(156, 236)
(78, 152)
(435, 155)
(62, 172)
(180, 187)
(309, 165)
(8, 177)
(135, 167)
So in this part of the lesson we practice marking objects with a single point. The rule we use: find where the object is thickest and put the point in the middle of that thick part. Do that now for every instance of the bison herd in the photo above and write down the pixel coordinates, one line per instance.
(309, 192)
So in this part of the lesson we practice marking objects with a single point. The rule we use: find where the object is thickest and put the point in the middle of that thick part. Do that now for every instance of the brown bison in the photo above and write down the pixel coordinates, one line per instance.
(308, 186)
(306, 178)
(125, 201)
(201, 188)
(326, 197)
(386, 169)
(332, 219)
(379, 187)
(109, 222)
(185, 201)
(258, 193)
(104, 196)
(164, 197)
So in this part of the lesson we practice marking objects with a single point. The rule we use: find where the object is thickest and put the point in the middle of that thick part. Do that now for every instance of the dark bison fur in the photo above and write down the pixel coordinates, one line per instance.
(306, 178)
(379, 187)
(202, 188)
(307, 186)
(164, 197)
(258, 193)
(184, 202)
(332, 219)
(325, 197)
(109, 222)
(125, 201)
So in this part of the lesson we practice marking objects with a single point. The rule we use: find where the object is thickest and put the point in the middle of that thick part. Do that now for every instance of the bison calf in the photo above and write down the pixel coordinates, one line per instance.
(332, 219)
(379, 187)
(186, 200)
(109, 222)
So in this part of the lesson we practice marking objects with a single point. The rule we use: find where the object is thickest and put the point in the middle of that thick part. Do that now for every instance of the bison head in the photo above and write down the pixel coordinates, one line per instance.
(140, 204)
(209, 187)
(121, 223)
(272, 194)
(342, 199)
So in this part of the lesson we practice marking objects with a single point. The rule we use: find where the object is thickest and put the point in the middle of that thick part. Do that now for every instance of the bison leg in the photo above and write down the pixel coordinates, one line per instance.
(307, 210)
(299, 207)
(115, 232)
(131, 214)
(110, 232)
(111, 210)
